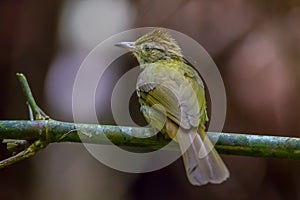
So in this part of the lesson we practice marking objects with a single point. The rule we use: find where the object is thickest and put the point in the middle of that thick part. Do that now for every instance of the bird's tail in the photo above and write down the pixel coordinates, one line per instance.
(202, 162)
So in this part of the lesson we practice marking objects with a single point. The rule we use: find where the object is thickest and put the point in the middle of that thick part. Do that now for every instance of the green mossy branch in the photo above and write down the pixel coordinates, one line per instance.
(227, 143)
(25, 138)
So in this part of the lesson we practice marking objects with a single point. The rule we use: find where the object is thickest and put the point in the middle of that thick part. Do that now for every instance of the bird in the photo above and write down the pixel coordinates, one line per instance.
(172, 98)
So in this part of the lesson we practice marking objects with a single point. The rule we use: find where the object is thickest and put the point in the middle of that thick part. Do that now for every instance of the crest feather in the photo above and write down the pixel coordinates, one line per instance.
(160, 35)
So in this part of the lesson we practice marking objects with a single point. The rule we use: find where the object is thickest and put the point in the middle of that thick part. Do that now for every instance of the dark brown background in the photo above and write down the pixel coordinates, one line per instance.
(255, 44)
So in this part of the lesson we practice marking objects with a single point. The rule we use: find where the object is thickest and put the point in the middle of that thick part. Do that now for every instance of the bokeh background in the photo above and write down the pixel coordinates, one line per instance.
(255, 44)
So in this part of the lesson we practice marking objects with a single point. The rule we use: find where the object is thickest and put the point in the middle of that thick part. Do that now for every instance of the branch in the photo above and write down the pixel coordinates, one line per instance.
(25, 138)
(228, 143)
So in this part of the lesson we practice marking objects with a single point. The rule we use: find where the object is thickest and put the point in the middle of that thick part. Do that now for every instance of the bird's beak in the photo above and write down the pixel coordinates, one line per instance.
(127, 45)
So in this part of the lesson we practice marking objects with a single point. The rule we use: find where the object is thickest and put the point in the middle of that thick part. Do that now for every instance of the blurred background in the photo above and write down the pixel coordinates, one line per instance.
(255, 44)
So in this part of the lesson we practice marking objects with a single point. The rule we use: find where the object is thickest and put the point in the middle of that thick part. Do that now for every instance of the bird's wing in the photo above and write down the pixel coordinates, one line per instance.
(176, 90)
(198, 86)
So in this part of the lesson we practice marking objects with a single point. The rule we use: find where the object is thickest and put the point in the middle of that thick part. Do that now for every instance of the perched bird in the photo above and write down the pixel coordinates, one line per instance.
(172, 99)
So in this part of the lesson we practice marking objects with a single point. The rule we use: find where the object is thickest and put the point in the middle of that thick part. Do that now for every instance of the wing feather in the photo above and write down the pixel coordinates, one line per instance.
(179, 90)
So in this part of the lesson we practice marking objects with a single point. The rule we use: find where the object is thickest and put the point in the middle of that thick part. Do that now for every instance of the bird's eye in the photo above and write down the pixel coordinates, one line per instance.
(147, 47)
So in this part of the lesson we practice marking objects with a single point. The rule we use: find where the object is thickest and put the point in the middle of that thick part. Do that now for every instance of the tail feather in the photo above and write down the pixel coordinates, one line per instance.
(202, 162)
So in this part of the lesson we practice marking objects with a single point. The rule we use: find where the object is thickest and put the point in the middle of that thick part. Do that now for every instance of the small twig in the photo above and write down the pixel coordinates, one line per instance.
(27, 153)
(33, 107)
(25, 149)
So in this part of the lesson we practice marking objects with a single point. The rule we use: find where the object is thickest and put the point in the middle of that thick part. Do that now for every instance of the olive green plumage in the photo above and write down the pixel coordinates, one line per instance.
(172, 100)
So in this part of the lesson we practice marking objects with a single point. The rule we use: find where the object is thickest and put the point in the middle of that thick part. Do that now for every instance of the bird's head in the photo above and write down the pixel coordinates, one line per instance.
(154, 46)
